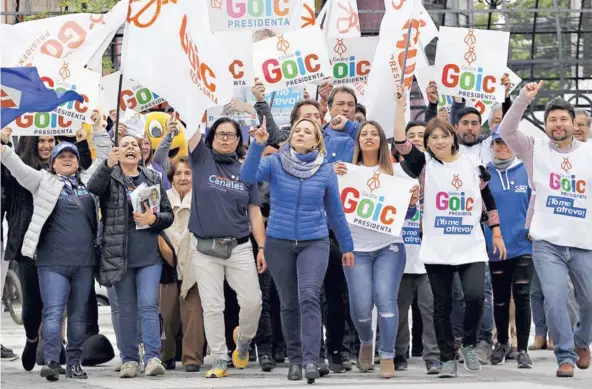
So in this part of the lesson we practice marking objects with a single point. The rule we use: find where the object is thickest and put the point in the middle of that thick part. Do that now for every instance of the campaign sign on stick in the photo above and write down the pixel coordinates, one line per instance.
(250, 14)
(67, 118)
(374, 200)
(240, 46)
(293, 58)
(470, 63)
(133, 95)
(351, 58)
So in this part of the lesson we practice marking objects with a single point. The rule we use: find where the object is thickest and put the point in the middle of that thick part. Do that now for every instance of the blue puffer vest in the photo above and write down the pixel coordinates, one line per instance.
(298, 206)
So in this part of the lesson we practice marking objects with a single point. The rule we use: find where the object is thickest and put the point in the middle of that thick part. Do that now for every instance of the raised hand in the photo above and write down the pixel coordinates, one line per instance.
(507, 83)
(173, 125)
(5, 134)
(532, 88)
(325, 90)
(258, 91)
(113, 157)
(401, 94)
(338, 122)
(432, 92)
(261, 134)
(81, 134)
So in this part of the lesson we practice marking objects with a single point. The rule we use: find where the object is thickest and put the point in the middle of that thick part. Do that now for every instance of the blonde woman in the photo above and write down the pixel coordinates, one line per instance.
(303, 187)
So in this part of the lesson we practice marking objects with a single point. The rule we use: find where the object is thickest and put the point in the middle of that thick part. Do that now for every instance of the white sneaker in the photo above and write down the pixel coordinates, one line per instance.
(154, 367)
(129, 370)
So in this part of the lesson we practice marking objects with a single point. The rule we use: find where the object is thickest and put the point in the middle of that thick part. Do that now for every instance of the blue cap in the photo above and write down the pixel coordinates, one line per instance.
(495, 134)
(64, 146)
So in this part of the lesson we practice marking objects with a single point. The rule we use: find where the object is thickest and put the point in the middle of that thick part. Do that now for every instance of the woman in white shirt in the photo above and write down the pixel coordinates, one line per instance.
(380, 262)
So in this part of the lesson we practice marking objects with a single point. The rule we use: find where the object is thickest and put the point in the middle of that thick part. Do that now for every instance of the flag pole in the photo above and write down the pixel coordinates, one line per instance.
(407, 45)
(116, 130)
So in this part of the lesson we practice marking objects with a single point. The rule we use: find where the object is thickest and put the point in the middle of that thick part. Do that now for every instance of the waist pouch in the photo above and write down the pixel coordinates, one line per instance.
(217, 247)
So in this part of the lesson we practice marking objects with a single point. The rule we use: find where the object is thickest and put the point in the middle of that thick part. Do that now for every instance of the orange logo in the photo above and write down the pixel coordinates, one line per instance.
(236, 69)
(456, 182)
(96, 19)
(416, 24)
(348, 22)
(201, 73)
(283, 45)
(65, 71)
(309, 19)
(7, 101)
(340, 47)
(71, 35)
(566, 165)
(470, 41)
(216, 4)
(397, 4)
(147, 15)
(374, 181)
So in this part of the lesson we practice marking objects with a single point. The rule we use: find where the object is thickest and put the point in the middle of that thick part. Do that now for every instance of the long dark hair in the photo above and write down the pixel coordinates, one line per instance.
(209, 139)
(28, 151)
(384, 156)
(445, 126)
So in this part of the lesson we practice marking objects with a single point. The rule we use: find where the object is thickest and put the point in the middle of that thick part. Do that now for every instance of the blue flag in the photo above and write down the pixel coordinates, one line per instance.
(23, 91)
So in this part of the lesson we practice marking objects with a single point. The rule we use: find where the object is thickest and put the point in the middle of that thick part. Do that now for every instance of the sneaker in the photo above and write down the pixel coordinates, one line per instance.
(76, 372)
(346, 361)
(323, 367)
(523, 360)
(512, 354)
(170, 364)
(483, 352)
(295, 373)
(433, 367)
(448, 370)
(470, 357)
(240, 356)
(7, 354)
(400, 363)
(219, 369)
(279, 356)
(50, 371)
(29, 354)
(267, 364)
(499, 354)
(154, 367)
(336, 362)
(129, 370)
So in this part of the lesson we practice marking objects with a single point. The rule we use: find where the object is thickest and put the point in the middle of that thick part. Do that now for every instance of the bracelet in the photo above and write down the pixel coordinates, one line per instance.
(261, 248)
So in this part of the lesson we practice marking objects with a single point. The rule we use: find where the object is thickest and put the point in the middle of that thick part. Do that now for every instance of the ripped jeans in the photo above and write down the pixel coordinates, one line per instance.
(375, 280)
(512, 278)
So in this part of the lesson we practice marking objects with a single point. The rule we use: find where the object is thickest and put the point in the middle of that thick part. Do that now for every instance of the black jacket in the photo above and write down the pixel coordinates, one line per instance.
(109, 184)
(17, 202)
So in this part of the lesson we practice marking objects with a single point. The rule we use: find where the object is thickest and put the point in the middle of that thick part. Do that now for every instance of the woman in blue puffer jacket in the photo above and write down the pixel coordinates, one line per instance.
(303, 188)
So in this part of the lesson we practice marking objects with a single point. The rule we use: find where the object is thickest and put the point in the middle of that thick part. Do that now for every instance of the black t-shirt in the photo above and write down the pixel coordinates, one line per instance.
(67, 237)
(142, 245)
(220, 200)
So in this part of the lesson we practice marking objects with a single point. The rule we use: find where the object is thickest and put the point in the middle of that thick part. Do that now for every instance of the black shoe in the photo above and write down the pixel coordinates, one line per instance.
(336, 363)
(50, 371)
(8, 354)
(346, 361)
(498, 356)
(279, 356)
(400, 363)
(267, 364)
(311, 371)
(76, 372)
(192, 368)
(295, 373)
(323, 367)
(433, 367)
(169, 364)
(523, 360)
(29, 356)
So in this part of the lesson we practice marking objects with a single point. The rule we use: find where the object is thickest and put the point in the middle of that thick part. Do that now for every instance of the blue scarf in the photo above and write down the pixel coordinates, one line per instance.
(300, 165)
(70, 183)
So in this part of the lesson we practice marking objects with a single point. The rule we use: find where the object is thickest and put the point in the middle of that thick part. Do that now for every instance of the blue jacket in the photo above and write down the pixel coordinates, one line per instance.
(511, 192)
(298, 206)
(340, 144)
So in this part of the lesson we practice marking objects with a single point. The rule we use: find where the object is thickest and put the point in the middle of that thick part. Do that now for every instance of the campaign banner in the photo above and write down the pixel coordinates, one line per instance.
(373, 200)
(250, 14)
(470, 63)
(133, 95)
(282, 101)
(351, 58)
(191, 70)
(244, 114)
(67, 118)
(76, 36)
(342, 20)
(240, 47)
(293, 58)
(426, 74)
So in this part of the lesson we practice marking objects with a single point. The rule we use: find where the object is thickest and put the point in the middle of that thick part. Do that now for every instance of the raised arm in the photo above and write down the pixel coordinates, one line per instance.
(254, 169)
(414, 158)
(98, 184)
(29, 178)
(521, 144)
(432, 95)
(161, 154)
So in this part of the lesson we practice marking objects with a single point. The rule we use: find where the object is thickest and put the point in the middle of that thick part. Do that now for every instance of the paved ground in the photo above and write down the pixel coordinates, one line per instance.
(506, 376)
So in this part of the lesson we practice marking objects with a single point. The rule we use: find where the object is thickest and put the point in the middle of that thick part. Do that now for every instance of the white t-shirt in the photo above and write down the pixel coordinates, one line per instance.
(481, 150)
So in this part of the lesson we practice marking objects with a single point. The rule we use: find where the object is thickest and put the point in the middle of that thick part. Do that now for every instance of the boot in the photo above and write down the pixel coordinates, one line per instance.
(540, 343)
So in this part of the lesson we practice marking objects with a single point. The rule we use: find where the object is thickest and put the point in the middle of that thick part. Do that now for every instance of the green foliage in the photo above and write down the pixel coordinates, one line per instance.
(89, 6)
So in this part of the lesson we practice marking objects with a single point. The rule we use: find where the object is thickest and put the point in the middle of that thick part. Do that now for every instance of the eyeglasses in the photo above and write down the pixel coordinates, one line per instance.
(228, 135)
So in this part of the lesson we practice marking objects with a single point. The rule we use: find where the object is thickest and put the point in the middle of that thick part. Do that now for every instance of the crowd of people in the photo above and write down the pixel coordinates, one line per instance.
(244, 248)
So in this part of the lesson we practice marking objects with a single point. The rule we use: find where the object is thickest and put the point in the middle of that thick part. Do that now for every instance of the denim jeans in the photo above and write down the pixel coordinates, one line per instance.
(298, 270)
(375, 280)
(137, 294)
(114, 306)
(553, 265)
(61, 286)
(458, 309)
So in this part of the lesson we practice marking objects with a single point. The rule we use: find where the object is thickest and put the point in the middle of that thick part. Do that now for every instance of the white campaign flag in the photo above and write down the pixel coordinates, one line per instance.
(240, 47)
(304, 14)
(343, 20)
(79, 37)
(133, 95)
(191, 68)
(428, 28)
